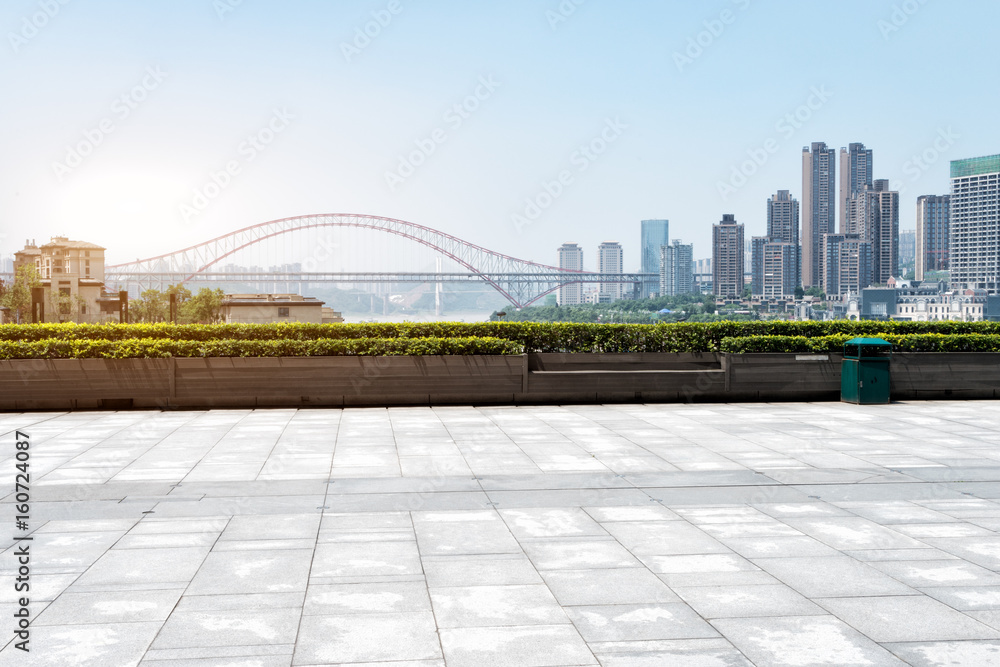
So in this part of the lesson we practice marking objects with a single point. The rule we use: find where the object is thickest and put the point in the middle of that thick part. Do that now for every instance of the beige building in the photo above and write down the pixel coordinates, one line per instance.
(727, 258)
(264, 308)
(72, 275)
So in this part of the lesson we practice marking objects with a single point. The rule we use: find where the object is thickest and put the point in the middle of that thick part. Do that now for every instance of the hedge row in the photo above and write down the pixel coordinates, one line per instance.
(835, 343)
(534, 337)
(151, 348)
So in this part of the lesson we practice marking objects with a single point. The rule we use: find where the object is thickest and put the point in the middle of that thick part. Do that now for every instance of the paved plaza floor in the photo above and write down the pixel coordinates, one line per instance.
(619, 535)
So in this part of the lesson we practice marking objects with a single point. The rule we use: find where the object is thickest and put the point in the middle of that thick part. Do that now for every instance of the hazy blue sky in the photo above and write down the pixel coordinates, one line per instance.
(200, 76)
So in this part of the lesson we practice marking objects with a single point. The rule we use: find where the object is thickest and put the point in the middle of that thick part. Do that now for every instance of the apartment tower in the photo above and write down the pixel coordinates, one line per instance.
(974, 232)
(727, 258)
(571, 259)
(819, 208)
(933, 217)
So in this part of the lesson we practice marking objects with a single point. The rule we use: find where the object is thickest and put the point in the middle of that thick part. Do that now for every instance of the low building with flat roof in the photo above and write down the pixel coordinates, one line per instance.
(267, 308)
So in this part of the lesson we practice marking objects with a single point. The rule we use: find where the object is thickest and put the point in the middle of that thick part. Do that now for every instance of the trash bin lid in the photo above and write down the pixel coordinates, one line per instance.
(867, 348)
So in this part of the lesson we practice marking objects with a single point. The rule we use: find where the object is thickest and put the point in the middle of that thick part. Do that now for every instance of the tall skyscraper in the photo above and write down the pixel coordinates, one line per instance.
(847, 264)
(855, 174)
(819, 208)
(655, 234)
(609, 260)
(933, 218)
(570, 258)
(873, 214)
(783, 227)
(727, 258)
(884, 231)
(907, 247)
(676, 269)
(974, 232)
(774, 274)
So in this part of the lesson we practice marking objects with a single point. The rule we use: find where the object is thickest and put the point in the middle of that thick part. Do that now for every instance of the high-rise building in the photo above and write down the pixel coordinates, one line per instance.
(907, 247)
(933, 217)
(783, 227)
(884, 231)
(609, 260)
(819, 207)
(873, 214)
(855, 174)
(676, 269)
(727, 258)
(571, 259)
(974, 231)
(847, 264)
(655, 235)
(774, 268)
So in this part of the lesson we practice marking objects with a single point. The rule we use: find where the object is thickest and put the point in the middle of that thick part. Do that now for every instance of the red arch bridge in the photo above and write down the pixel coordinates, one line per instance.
(521, 282)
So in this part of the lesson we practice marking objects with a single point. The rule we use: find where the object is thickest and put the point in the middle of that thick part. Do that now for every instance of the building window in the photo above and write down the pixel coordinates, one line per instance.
(282, 312)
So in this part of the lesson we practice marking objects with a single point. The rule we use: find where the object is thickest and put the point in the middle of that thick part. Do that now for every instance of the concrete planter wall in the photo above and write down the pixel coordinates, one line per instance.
(535, 378)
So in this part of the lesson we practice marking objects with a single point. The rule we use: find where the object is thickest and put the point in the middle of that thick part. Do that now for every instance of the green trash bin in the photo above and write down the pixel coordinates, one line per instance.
(864, 375)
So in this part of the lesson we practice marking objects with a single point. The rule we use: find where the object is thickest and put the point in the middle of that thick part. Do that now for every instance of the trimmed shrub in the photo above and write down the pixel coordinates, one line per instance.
(151, 348)
(835, 343)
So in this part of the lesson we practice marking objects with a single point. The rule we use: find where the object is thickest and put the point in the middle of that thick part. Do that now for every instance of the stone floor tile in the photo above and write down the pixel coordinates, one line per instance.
(387, 597)
(747, 601)
(797, 641)
(531, 646)
(229, 572)
(905, 619)
(686, 652)
(354, 559)
(97, 645)
(359, 638)
(139, 566)
(770, 547)
(108, 608)
(485, 570)
(933, 654)
(629, 622)
(920, 574)
(832, 577)
(492, 606)
(578, 555)
(189, 629)
(632, 585)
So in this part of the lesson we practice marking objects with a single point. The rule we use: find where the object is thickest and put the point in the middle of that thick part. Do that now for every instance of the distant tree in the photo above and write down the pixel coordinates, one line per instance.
(204, 306)
(17, 296)
(816, 291)
(799, 292)
(151, 306)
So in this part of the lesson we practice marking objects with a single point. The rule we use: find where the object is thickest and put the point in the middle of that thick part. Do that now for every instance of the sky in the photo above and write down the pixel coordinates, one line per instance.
(517, 125)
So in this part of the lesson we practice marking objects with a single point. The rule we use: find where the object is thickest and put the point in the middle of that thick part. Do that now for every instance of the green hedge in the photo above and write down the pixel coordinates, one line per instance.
(148, 348)
(533, 337)
(835, 343)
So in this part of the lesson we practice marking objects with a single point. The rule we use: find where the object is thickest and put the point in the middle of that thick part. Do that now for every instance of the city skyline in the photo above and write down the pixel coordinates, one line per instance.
(184, 119)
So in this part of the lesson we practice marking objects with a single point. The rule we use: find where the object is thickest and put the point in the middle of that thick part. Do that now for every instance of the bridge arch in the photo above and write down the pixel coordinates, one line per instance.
(477, 259)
